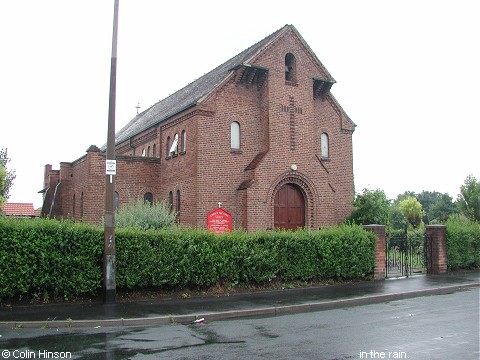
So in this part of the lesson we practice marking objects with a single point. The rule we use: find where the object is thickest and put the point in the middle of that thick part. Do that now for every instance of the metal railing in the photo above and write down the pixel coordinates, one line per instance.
(405, 254)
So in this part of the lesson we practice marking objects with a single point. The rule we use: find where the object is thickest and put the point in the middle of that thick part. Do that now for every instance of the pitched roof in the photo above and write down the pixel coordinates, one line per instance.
(194, 92)
(18, 209)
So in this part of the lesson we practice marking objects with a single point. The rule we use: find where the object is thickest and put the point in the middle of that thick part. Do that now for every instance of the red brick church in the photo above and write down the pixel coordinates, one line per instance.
(261, 133)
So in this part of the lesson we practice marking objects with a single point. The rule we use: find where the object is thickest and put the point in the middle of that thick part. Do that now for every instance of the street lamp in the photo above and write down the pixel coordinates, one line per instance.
(109, 284)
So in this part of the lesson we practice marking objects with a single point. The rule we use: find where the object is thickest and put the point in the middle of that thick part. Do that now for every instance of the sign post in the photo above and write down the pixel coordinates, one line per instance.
(109, 283)
(219, 221)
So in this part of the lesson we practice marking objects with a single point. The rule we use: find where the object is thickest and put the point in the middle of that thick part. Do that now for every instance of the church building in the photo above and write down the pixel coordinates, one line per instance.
(261, 134)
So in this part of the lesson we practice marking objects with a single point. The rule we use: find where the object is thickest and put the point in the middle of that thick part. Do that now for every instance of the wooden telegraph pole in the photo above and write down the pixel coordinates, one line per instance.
(109, 285)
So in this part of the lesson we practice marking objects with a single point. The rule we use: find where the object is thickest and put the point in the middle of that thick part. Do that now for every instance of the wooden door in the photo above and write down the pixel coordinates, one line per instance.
(289, 208)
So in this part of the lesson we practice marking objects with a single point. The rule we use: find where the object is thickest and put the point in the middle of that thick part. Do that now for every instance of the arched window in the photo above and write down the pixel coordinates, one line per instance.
(290, 67)
(148, 198)
(170, 200)
(184, 141)
(168, 146)
(324, 145)
(174, 149)
(154, 150)
(235, 135)
(81, 206)
(73, 207)
(178, 205)
(148, 151)
(115, 201)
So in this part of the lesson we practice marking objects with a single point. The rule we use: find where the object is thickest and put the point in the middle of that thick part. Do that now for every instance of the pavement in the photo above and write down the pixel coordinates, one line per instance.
(257, 304)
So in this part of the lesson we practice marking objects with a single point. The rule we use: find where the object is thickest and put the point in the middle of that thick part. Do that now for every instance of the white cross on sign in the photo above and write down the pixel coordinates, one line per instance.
(111, 167)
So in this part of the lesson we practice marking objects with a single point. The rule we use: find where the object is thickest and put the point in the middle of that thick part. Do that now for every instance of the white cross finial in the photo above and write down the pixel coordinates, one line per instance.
(219, 204)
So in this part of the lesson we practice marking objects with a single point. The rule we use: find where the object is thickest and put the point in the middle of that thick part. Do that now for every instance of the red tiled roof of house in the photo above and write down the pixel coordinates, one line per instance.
(18, 209)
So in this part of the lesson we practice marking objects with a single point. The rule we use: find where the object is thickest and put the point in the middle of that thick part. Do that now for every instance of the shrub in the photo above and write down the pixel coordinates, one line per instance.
(144, 215)
(199, 258)
(370, 207)
(412, 210)
(48, 256)
(463, 243)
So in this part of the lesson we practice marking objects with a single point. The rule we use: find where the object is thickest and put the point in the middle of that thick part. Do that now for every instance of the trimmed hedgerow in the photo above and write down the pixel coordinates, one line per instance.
(60, 258)
(463, 243)
(44, 257)
(183, 258)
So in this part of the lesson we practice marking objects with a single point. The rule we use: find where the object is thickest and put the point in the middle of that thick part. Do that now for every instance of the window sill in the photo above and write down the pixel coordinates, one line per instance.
(168, 157)
(183, 153)
(291, 83)
(325, 158)
(236, 151)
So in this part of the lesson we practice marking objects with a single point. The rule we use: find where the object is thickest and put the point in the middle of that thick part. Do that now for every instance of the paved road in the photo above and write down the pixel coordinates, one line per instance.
(430, 327)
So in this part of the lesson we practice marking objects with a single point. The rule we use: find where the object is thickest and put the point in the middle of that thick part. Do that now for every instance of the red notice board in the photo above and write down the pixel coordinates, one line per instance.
(219, 221)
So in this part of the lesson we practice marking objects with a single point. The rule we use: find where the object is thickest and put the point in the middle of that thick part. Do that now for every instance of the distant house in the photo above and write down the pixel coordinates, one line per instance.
(261, 134)
(24, 210)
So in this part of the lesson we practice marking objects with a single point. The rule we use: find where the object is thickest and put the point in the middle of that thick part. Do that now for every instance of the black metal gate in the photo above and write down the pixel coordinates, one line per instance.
(405, 254)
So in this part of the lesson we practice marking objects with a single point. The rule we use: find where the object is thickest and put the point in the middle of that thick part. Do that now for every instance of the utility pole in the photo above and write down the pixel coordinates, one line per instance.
(109, 284)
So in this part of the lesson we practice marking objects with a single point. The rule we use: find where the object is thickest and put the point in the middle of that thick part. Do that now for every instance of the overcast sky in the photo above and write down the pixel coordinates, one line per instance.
(407, 72)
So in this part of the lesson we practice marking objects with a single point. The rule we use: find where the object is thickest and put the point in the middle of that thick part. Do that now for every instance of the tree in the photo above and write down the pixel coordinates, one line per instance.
(412, 210)
(404, 196)
(468, 201)
(438, 207)
(6, 176)
(370, 207)
(397, 219)
(3, 175)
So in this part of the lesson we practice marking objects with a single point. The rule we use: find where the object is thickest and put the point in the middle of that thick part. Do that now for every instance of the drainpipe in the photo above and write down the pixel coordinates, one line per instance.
(53, 200)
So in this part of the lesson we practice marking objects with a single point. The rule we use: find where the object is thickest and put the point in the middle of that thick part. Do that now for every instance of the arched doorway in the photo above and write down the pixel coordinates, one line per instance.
(289, 208)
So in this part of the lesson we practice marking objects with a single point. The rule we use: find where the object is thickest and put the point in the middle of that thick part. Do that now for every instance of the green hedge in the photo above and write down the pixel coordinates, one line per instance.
(41, 257)
(64, 258)
(463, 243)
(199, 258)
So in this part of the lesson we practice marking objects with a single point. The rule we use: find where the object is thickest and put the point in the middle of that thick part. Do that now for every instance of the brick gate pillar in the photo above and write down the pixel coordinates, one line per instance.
(379, 231)
(436, 249)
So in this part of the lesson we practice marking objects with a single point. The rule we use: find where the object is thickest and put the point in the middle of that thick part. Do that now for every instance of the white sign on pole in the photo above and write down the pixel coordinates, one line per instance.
(111, 167)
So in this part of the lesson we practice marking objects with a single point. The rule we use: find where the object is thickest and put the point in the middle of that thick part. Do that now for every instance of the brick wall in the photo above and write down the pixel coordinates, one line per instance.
(436, 244)
(179, 171)
(380, 248)
(221, 170)
(83, 184)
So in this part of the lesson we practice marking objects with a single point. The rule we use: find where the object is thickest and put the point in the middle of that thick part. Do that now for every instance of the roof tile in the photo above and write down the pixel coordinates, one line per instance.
(18, 209)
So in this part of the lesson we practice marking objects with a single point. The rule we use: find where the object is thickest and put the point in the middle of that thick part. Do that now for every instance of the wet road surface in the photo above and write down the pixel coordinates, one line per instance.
(430, 327)
(166, 307)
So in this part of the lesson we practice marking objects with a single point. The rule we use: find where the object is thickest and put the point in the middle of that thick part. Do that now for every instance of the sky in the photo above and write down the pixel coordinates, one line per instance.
(407, 72)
